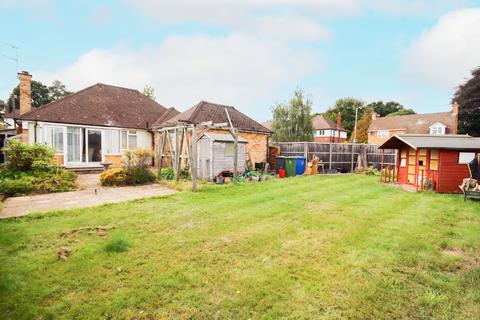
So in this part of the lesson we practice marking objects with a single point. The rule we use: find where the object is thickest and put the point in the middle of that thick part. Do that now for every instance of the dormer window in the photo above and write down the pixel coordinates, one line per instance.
(438, 128)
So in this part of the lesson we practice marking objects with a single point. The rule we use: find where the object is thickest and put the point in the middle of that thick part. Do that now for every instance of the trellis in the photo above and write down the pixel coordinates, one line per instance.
(182, 146)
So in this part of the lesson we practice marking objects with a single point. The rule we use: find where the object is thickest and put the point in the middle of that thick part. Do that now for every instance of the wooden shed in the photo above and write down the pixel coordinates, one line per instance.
(216, 154)
(436, 162)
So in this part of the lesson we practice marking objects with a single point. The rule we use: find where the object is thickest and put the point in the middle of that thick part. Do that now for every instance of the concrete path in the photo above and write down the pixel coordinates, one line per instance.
(84, 197)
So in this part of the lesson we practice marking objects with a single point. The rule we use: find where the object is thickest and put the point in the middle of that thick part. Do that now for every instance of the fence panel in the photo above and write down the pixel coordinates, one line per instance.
(338, 156)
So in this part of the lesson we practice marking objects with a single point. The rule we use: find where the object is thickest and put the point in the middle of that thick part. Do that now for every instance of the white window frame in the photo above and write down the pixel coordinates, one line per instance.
(108, 143)
(130, 133)
(46, 140)
(437, 129)
(383, 134)
(465, 157)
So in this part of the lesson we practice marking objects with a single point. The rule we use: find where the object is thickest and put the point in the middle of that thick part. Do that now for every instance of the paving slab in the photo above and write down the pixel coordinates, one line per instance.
(90, 194)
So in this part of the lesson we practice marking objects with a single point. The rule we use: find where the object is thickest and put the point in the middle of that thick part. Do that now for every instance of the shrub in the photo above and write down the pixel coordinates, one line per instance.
(114, 177)
(167, 173)
(370, 171)
(21, 186)
(26, 157)
(60, 181)
(184, 174)
(140, 176)
(140, 158)
(117, 245)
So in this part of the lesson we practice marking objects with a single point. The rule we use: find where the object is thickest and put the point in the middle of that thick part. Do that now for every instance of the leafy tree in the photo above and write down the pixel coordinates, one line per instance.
(346, 107)
(58, 90)
(149, 92)
(468, 98)
(293, 121)
(390, 108)
(362, 126)
(41, 94)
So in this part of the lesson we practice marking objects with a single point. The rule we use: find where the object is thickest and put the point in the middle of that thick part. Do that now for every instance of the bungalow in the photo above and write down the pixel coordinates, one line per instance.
(94, 125)
(438, 162)
(439, 123)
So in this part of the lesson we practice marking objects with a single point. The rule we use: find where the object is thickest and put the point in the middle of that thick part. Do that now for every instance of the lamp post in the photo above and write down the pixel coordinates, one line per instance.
(354, 136)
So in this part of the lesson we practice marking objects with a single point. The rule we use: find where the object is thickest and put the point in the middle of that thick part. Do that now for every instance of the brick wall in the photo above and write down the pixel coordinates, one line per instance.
(115, 160)
(374, 139)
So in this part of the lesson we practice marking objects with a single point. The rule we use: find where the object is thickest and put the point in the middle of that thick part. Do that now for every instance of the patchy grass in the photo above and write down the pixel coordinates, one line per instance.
(120, 244)
(307, 247)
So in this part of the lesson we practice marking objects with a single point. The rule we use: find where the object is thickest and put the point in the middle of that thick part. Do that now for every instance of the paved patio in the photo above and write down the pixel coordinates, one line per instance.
(90, 194)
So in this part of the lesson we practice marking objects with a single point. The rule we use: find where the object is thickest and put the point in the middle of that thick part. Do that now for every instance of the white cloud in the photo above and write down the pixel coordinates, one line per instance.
(236, 69)
(416, 7)
(445, 54)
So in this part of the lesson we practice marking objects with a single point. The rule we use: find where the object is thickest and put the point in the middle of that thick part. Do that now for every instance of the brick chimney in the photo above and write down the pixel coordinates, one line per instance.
(339, 120)
(374, 115)
(25, 92)
(455, 107)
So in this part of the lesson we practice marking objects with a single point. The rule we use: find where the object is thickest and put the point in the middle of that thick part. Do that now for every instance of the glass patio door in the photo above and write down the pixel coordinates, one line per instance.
(74, 145)
(94, 145)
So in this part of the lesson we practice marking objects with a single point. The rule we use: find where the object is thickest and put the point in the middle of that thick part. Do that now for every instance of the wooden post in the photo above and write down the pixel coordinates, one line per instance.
(353, 156)
(161, 147)
(235, 154)
(305, 150)
(180, 151)
(194, 158)
(330, 157)
(177, 156)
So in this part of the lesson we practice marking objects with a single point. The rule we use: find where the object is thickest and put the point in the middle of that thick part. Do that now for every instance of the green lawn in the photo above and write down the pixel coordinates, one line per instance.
(306, 247)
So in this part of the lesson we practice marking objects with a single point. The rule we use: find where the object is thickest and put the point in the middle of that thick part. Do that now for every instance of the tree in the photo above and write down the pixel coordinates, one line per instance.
(149, 92)
(41, 94)
(389, 108)
(293, 121)
(362, 126)
(468, 98)
(346, 107)
(58, 90)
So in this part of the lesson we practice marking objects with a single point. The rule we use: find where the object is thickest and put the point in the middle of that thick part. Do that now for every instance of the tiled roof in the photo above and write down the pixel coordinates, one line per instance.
(321, 123)
(101, 105)
(208, 111)
(415, 123)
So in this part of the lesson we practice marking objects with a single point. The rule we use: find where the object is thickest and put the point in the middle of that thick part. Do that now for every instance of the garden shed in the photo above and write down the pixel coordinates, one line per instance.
(216, 154)
(436, 162)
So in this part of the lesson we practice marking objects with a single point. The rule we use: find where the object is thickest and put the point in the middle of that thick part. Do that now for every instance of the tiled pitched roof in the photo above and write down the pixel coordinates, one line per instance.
(208, 111)
(167, 115)
(321, 123)
(101, 105)
(415, 123)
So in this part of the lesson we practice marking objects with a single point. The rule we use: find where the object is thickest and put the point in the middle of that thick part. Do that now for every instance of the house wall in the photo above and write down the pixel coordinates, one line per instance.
(58, 159)
(115, 160)
(373, 137)
(257, 146)
(451, 173)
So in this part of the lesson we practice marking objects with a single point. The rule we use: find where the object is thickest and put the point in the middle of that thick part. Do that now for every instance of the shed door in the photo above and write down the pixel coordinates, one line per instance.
(412, 160)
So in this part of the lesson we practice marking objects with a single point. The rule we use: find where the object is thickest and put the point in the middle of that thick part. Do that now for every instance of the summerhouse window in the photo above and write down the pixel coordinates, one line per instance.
(465, 157)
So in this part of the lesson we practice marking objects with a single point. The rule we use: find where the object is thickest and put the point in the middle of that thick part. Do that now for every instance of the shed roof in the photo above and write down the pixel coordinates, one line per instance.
(225, 137)
(208, 111)
(102, 105)
(447, 141)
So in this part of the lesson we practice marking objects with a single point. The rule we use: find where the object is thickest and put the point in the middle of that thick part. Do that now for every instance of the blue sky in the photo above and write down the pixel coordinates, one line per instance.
(249, 53)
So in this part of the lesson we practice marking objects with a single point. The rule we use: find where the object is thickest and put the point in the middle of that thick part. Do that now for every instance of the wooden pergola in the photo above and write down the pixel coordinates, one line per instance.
(179, 145)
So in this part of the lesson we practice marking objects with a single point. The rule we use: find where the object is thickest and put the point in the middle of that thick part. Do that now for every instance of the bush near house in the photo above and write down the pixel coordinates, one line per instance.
(29, 170)
(135, 170)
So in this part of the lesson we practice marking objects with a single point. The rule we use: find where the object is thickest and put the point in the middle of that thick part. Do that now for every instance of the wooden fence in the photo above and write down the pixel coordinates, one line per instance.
(338, 156)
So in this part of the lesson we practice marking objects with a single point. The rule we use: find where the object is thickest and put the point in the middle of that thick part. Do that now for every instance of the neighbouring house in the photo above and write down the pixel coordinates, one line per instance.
(94, 125)
(256, 135)
(439, 123)
(216, 154)
(325, 130)
(429, 161)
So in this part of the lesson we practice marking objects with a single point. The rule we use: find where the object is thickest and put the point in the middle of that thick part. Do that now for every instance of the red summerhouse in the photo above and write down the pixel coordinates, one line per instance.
(433, 162)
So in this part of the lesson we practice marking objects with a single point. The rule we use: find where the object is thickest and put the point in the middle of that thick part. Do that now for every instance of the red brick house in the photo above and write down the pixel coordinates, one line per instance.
(438, 162)
(325, 130)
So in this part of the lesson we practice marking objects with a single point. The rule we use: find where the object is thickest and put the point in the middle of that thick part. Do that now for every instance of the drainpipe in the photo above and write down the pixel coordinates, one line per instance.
(35, 132)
